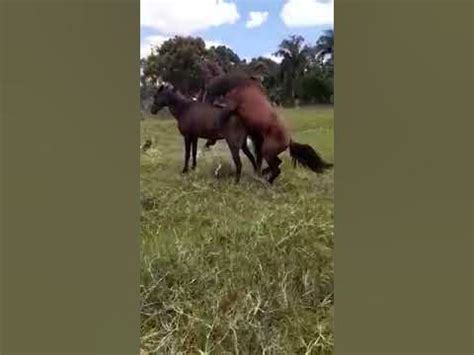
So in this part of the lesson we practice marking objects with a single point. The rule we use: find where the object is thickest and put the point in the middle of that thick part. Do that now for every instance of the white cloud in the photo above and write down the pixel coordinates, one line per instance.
(186, 16)
(151, 41)
(273, 57)
(211, 43)
(302, 13)
(327, 57)
(256, 18)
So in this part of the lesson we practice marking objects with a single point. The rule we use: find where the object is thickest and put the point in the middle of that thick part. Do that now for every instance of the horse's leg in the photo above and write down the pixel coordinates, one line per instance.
(210, 143)
(274, 165)
(249, 155)
(234, 150)
(194, 142)
(268, 169)
(187, 149)
(271, 148)
(257, 144)
(269, 154)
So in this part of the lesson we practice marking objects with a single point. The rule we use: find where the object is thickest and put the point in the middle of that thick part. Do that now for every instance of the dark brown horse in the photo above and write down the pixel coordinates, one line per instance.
(203, 120)
(247, 97)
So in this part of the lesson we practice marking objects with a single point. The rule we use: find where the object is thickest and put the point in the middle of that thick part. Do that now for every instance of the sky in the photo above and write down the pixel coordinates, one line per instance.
(250, 28)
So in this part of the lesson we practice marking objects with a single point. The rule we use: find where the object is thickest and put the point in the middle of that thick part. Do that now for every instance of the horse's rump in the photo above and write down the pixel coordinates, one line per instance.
(257, 114)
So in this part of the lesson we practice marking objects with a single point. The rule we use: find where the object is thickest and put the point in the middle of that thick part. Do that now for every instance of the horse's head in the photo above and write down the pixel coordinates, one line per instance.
(162, 98)
(220, 86)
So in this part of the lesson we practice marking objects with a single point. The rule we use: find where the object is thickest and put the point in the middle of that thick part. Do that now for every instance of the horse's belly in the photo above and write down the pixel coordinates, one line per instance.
(254, 119)
(264, 120)
(199, 129)
(207, 132)
(210, 135)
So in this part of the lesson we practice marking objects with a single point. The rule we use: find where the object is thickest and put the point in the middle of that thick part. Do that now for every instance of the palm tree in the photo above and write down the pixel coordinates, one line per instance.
(325, 47)
(295, 60)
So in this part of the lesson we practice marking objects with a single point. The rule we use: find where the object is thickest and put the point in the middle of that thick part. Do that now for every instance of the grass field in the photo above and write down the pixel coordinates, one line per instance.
(241, 269)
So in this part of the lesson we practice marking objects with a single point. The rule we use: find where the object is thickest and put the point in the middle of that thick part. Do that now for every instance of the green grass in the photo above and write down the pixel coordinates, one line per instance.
(236, 268)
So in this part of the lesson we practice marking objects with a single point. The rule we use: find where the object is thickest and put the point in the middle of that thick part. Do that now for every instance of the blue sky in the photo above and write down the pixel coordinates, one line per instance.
(229, 22)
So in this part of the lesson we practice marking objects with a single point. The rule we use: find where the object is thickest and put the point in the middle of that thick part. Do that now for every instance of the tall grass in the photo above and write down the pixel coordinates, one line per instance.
(230, 268)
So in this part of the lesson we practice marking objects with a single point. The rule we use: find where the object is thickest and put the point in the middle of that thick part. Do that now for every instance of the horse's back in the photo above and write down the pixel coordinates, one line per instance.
(201, 112)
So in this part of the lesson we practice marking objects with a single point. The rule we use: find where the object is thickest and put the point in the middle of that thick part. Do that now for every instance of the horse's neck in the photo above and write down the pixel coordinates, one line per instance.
(178, 106)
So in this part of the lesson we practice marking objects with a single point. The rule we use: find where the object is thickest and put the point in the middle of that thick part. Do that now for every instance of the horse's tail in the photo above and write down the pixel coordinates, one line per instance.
(306, 156)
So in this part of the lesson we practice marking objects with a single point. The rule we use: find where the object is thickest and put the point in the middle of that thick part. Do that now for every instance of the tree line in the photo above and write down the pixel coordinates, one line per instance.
(305, 73)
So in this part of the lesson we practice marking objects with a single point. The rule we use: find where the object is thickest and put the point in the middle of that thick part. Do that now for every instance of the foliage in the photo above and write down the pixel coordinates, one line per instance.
(316, 86)
(296, 59)
(224, 57)
(269, 71)
(324, 47)
(146, 86)
(306, 71)
(178, 61)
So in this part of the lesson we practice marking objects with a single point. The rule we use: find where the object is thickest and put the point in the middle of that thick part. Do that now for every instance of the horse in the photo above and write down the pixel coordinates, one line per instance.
(202, 120)
(246, 96)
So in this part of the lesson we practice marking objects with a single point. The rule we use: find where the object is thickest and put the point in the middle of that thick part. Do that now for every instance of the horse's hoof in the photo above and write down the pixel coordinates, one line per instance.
(260, 180)
(264, 173)
(271, 179)
(184, 171)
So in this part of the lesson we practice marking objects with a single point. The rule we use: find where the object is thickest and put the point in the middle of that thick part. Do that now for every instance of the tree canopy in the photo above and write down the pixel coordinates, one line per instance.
(305, 71)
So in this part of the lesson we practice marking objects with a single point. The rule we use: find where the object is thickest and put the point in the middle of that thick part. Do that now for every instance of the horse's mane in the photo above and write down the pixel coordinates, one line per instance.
(225, 83)
(182, 97)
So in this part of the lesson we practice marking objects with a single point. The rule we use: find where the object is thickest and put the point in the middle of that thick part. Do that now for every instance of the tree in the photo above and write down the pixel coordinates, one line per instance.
(316, 86)
(147, 85)
(269, 71)
(225, 57)
(218, 61)
(186, 63)
(179, 62)
(325, 47)
(295, 60)
(149, 68)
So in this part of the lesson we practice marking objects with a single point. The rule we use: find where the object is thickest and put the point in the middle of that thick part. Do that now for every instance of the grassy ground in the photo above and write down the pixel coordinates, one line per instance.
(236, 268)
